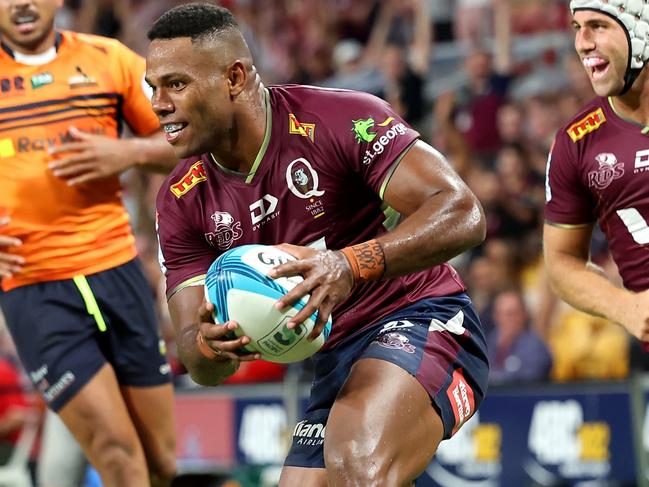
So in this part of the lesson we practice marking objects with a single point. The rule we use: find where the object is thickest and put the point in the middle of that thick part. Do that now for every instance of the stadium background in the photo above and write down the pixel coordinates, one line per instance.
(488, 82)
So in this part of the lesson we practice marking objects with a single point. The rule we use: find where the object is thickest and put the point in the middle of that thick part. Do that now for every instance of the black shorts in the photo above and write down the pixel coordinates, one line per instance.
(65, 331)
(439, 341)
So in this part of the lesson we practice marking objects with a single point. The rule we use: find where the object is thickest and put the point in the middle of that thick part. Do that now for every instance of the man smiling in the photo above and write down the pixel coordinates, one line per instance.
(405, 364)
(598, 169)
(74, 296)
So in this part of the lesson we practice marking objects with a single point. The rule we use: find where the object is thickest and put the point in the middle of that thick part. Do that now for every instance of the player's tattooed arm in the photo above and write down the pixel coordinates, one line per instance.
(443, 217)
(367, 261)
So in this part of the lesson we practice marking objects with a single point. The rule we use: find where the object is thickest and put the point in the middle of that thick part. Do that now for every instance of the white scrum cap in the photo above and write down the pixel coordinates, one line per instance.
(633, 15)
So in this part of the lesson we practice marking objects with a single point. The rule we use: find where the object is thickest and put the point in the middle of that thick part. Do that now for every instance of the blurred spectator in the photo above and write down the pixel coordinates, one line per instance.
(578, 90)
(351, 69)
(103, 17)
(353, 19)
(141, 14)
(584, 347)
(470, 25)
(516, 352)
(483, 281)
(472, 108)
(522, 192)
(66, 17)
(541, 120)
(588, 348)
(398, 51)
(400, 47)
(346, 57)
(510, 122)
(502, 221)
(495, 268)
(61, 463)
(536, 16)
(15, 409)
(441, 15)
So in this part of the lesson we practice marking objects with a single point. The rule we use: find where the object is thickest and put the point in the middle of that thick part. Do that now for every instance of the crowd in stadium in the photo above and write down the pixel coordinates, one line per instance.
(488, 83)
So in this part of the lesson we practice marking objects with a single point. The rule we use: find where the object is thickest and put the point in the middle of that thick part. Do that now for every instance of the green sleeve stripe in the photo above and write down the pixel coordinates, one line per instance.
(89, 298)
(392, 169)
(569, 225)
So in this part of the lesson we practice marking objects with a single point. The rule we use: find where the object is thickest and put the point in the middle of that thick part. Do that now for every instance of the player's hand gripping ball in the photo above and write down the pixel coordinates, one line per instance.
(240, 289)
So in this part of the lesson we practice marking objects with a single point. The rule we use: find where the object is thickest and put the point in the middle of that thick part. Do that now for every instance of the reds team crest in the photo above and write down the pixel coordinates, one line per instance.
(396, 341)
(608, 171)
(226, 231)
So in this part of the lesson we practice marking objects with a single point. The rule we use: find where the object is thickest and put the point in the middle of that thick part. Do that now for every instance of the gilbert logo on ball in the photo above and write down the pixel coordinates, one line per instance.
(238, 285)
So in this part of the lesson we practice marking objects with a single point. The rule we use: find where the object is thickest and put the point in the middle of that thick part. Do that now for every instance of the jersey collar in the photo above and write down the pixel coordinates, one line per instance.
(644, 129)
(262, 149)
(36, 59)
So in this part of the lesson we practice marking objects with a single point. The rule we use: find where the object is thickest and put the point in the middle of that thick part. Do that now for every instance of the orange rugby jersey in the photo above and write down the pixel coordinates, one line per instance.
(94, 84)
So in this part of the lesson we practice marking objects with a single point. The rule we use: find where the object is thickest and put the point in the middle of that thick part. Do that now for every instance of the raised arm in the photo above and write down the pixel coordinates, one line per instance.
(420, 47)
(503, 63)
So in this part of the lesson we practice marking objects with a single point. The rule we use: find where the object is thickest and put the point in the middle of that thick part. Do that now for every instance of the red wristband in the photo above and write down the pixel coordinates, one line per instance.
(367, 261)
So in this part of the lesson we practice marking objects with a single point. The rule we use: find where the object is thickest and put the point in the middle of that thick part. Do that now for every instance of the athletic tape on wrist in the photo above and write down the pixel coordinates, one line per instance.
(366, 260)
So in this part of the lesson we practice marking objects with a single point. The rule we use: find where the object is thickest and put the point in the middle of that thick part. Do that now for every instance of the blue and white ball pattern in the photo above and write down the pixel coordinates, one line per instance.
(240, 289)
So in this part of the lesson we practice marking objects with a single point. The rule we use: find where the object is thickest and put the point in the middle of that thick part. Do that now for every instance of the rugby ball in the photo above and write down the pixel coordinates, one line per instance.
(238, 285)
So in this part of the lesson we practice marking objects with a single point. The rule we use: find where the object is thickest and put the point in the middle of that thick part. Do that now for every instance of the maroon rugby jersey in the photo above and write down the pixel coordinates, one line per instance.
(324, 163)
(598, 170)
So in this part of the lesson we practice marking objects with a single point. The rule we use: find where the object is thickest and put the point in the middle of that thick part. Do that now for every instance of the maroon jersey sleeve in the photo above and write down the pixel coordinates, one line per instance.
(371, 137)
(567, 199)
(184, 256)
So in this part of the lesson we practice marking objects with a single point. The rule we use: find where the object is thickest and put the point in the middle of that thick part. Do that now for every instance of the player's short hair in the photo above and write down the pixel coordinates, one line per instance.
(195, 20)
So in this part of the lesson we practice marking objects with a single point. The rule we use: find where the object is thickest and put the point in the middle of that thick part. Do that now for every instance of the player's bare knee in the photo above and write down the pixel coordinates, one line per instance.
(359, 463)
(112, 453)
(163, 469)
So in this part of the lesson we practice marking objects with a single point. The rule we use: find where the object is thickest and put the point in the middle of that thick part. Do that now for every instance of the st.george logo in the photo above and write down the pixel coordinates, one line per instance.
(361, 129)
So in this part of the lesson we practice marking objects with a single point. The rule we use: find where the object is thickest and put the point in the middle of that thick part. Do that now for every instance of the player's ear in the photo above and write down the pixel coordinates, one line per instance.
(237, 78)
